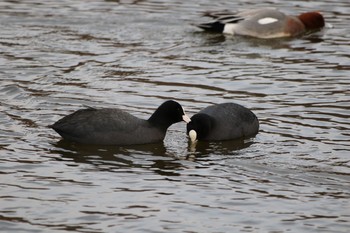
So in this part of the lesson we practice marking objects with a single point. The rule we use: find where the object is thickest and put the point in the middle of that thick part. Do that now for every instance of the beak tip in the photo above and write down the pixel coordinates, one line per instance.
(186, 119)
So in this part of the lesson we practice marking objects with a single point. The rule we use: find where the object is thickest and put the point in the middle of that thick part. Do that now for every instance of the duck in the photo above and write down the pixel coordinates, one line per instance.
(113, 126)
(264, 23)
(219, 122)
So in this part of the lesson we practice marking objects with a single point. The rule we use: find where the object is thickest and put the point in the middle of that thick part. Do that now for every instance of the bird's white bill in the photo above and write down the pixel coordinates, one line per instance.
(193, 135)
(186, 119)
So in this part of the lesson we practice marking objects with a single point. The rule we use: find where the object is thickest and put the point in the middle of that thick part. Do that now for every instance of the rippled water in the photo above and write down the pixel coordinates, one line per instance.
(57, 56)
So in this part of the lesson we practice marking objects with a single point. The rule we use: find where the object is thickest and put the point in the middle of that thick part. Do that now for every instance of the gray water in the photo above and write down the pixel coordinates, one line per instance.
(57, 56)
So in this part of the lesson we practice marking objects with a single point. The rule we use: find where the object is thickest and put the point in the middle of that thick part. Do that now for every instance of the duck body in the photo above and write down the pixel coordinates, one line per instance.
(263, 23)
(109, 126)
(225, 121)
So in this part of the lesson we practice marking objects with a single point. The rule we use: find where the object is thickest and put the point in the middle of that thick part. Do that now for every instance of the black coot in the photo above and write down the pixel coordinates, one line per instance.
(109, 126)
(225, 121)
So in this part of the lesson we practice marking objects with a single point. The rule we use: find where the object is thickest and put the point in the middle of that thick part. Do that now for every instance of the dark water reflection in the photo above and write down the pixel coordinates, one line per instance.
(159, 156)
(56, 56)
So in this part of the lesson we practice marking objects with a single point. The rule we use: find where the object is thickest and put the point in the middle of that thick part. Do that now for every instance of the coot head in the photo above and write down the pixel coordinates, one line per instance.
(168, 113)
(199, 127)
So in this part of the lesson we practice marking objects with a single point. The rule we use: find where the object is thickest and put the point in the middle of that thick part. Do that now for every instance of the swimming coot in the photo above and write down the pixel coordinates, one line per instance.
(107, 126)
(225, 121)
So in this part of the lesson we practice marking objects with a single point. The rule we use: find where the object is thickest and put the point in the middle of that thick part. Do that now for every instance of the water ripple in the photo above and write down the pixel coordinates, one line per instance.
(57, 56)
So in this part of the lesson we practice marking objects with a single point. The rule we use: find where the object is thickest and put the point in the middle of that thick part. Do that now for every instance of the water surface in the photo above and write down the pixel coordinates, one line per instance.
(57, 56)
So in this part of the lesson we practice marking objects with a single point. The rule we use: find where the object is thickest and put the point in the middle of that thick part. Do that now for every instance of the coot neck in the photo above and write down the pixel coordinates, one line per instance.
(158, 120)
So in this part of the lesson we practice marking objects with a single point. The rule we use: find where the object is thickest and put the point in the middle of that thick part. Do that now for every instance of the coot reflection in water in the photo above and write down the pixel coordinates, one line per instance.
(201, 149)
(122, 156)
(111, 158)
